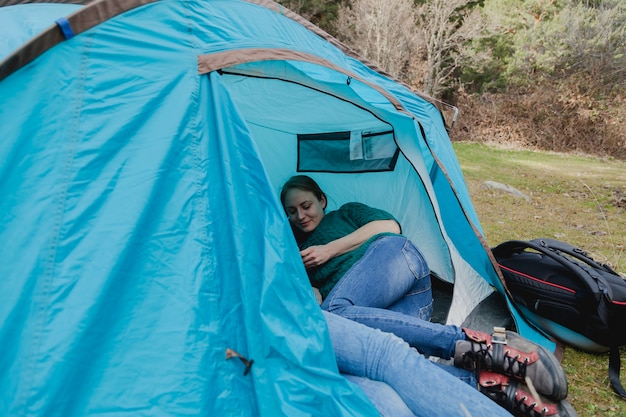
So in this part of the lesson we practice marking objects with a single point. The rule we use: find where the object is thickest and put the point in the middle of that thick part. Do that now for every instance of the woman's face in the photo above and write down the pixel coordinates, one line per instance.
(304, 210)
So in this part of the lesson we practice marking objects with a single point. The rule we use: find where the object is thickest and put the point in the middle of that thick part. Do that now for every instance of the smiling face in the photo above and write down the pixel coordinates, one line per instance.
(304, 210)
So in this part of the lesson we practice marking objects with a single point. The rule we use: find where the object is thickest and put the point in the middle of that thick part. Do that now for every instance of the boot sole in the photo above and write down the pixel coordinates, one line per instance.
(566, 410)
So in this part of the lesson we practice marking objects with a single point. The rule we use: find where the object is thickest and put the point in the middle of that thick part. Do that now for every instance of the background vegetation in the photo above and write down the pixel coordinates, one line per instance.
(545, 74)
(576, 199)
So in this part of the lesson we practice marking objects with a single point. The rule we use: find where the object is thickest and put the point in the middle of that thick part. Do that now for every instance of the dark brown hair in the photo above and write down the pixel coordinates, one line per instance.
(304, 183)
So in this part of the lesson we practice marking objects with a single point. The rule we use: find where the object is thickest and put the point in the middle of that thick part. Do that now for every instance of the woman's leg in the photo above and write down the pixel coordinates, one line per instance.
(385, 399)
(388, 289)
(391, 274)
(424, 387)
(418, 301)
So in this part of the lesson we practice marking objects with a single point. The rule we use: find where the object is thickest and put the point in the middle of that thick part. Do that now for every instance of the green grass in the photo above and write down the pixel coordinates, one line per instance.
(577, 199)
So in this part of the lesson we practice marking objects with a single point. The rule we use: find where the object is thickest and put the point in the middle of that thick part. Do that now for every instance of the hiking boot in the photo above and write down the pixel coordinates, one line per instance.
(508, 353)
(517, 397)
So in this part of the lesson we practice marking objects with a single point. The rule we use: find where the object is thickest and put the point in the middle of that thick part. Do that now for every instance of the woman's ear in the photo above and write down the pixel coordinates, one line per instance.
(323, 201)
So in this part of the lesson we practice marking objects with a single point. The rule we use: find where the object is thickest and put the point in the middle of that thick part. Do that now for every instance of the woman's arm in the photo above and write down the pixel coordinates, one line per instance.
(318, 255)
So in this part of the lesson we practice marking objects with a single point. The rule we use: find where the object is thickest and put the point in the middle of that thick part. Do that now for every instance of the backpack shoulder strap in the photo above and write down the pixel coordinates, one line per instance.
(512, 247)
(614, 368)
(556, 249)
(590, 276)
(573, 251)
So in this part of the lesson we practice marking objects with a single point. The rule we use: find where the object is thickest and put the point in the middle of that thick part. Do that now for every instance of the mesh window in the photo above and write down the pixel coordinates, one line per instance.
(356, 151)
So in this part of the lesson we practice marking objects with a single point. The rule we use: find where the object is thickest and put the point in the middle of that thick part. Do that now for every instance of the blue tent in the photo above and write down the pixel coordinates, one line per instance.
(143, 145)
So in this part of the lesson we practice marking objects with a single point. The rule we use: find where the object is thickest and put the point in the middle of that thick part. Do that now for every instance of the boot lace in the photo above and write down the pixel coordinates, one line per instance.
(482, 354)
(529, 409)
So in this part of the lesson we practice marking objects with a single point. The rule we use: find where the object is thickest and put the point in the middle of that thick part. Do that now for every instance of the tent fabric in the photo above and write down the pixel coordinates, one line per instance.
(20, 23)
(141, 230)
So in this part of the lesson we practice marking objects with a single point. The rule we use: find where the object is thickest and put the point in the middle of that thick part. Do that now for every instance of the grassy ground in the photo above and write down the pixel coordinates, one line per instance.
(576, 199)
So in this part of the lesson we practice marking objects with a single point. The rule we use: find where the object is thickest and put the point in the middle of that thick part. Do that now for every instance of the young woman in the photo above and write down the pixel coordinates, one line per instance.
(356, 255)
(368, 272)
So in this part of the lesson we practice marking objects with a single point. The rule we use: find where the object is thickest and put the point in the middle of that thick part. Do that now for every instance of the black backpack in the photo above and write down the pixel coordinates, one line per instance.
(565, 293)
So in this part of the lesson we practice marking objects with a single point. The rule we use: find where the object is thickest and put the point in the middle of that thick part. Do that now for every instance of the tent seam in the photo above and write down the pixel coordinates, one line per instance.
(49, 268)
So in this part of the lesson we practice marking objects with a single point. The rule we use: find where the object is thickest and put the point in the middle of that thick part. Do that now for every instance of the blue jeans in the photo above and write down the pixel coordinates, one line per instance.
(387, 401)
(389, 289)
(373, 358)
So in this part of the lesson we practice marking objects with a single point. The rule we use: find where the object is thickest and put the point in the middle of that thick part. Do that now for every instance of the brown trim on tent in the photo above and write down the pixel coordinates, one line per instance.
(15, 2)
(475, 229)
(92, 14)
(98, 11)
(221, 60)
(272, 5)
(477, 232)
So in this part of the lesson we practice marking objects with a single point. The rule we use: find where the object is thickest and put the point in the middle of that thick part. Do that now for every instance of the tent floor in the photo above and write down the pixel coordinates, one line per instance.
(492, 311)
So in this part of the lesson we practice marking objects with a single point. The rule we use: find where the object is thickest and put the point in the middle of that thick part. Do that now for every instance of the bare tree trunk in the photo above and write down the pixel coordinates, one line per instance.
(444, 26)
(385, 32)
(381, 30)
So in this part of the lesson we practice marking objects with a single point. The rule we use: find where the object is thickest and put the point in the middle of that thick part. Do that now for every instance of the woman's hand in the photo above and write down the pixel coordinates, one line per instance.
(315, 256)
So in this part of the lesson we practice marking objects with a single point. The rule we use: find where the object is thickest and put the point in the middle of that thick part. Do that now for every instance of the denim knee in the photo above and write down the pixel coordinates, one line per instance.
(416, 262)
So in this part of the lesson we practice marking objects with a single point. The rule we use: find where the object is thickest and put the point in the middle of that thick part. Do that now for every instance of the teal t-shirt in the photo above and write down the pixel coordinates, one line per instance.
(335, 225)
